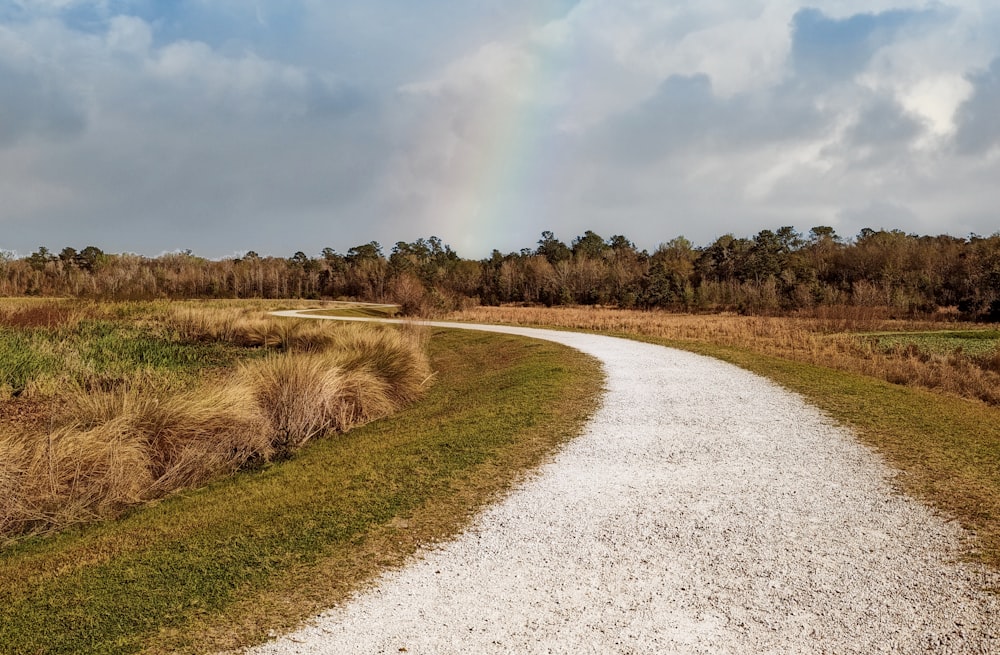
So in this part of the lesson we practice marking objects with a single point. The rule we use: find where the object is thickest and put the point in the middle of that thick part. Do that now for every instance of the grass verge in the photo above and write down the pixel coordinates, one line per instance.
(220, 566)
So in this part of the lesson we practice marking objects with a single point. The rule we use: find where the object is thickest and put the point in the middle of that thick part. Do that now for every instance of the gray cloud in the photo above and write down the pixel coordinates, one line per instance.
(36, 103)
(978, 118)
(882, 121)
(684, 115)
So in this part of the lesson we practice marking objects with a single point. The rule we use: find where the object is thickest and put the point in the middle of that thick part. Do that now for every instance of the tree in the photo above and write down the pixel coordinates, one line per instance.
(430, 259)
(40, 258)
(823, 234)
(768, 256)
(300, 260)
(589, 245)
(92, 257)
(725, 260)
(552, 248)
(68, 256)
(669, 279)
(789, 238)
(619, 243)
(368, 251)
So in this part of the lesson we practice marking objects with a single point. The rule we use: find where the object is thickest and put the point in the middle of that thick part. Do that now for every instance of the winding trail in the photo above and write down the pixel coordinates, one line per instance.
(703, 510)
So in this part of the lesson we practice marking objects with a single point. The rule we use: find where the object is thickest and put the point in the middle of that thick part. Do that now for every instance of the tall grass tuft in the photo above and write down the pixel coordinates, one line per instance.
(72, 476)
(298, 393)
(391, 355)
(191, 436)
(114, 446)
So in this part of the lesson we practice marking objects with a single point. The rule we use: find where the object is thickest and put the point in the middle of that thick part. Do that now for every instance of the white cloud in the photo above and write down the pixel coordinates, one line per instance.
(129, 35)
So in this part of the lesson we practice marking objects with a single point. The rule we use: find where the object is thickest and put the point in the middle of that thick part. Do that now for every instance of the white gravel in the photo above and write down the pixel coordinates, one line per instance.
(703, 510)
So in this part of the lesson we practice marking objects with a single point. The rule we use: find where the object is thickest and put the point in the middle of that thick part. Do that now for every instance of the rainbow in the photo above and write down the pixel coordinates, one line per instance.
(502, 162)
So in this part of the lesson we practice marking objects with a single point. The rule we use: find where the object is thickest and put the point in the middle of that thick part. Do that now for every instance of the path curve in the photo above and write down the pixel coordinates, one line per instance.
(703, 510)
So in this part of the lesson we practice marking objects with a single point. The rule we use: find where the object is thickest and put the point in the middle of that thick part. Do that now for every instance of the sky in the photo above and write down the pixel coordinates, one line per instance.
(223, 126)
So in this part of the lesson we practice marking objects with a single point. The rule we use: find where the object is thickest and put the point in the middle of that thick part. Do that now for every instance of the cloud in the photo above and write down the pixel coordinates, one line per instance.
(39, 99)
(227, 125)
(883, 121)
(129, 35)
(176, 144)
(978, 118)
(825, 50)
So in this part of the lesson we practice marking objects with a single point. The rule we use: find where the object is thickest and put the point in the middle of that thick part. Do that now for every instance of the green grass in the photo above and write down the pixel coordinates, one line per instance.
(969, 342)
(217, 567)
(119, 349)
(103, 353)
(23, 359)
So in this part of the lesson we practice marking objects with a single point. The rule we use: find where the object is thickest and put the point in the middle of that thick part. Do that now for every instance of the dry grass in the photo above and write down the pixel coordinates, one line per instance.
(248, 328)
(837, 341)
(105, 450)
(217, 568)
(190, 436)
(23, 312)
(304, 396)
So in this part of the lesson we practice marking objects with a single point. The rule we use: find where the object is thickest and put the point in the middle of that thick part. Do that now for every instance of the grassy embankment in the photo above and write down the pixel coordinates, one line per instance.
(221, 565)
(926, 398)
(122, 404)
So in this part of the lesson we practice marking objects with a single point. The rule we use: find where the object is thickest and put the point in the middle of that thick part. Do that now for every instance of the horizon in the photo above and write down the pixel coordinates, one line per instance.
(387, 248)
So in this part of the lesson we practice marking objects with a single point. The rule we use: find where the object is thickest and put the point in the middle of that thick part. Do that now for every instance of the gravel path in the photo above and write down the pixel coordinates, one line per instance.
(703, 510)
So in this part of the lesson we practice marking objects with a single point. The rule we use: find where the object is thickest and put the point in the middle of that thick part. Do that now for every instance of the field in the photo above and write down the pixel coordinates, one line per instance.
(926, 399)
(216, 565)
(979, 345)
(963, 363)
(111, 406)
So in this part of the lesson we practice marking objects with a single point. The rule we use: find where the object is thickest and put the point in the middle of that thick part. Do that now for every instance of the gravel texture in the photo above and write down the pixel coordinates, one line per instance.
(703, 510)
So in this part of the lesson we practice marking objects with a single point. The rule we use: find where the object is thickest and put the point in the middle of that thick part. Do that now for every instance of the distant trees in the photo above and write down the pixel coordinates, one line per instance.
(771, 272)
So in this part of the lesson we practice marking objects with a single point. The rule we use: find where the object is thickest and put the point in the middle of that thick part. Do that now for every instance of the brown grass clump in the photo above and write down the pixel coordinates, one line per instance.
(391, 355)
(247, 328)
(230, 325)
(192, 436)
(15, 460)
(300, 395)
(109, 450)
(72, 476)
(365, 373)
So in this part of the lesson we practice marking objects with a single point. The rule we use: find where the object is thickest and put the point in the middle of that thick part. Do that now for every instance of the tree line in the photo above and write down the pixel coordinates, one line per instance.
(773, 272)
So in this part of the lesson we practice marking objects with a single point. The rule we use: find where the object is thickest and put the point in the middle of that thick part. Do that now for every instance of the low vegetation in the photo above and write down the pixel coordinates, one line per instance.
(217, 567)
(133, 402)
(926, 399)
(963, 363)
